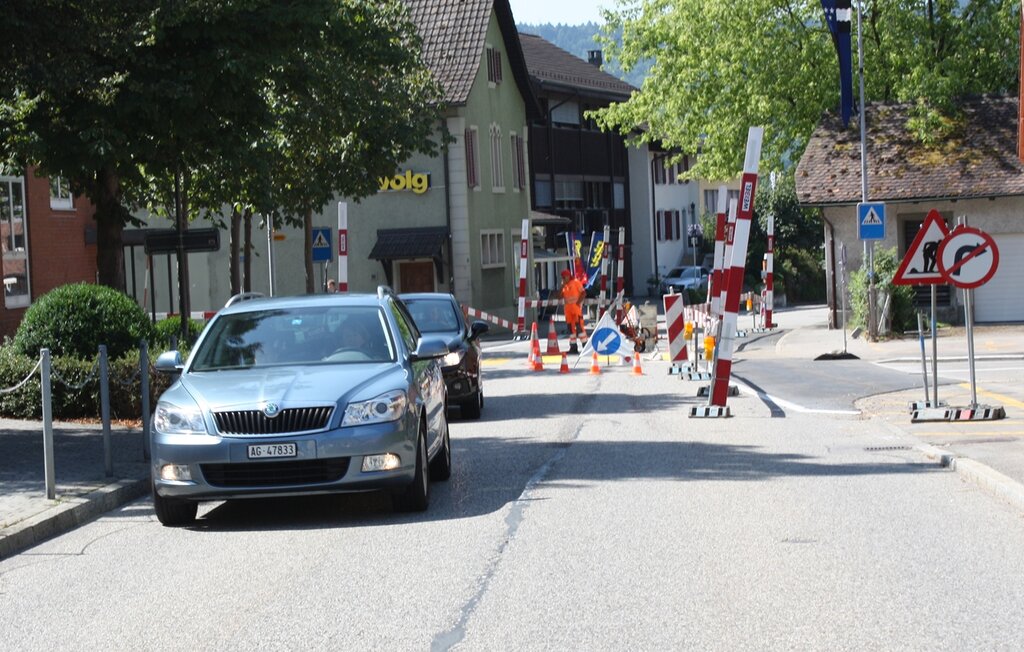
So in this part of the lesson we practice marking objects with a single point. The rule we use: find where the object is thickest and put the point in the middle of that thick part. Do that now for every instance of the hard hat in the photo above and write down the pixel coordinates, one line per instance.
(566, 272)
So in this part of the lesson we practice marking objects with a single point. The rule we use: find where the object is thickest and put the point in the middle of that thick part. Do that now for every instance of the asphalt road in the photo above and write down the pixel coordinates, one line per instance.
(585, 512)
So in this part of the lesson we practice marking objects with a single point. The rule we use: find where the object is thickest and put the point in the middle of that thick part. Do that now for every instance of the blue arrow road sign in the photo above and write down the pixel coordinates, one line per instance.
(871, 221)
(606, 341)
(321, 244)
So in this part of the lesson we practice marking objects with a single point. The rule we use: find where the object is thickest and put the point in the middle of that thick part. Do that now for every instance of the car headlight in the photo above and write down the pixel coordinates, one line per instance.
(452, 359)
(384, 408)
(173, 420)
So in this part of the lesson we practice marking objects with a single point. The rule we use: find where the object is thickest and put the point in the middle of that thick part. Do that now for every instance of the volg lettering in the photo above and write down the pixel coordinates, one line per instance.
(417, 182)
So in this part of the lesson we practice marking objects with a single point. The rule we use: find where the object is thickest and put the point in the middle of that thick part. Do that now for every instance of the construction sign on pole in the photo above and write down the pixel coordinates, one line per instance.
(717, 276)
(524, 253)
(741, 235)
(342, 247)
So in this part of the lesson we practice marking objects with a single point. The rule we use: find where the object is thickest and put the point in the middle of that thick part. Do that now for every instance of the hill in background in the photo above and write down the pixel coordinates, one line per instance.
(578, 39)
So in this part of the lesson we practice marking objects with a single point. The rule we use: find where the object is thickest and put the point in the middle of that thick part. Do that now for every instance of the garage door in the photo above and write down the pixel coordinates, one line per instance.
(1002, 298)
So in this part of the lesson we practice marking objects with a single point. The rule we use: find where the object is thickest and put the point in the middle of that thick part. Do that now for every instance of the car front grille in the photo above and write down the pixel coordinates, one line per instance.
(270, 474)
(254, 422)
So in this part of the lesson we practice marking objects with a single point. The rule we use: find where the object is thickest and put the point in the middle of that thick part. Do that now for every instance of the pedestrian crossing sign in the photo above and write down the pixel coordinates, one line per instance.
(871, 221)
(321, 245)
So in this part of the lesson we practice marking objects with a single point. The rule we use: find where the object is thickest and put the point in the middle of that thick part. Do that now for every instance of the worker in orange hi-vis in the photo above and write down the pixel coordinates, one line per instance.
(573, 295)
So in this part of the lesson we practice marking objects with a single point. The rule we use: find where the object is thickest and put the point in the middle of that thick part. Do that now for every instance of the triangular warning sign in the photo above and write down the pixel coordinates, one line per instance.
(320, 242)
(871, 218)
(920, 265)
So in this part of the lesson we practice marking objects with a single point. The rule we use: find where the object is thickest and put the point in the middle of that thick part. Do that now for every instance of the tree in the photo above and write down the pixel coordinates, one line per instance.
(722, 66)
(228, 98)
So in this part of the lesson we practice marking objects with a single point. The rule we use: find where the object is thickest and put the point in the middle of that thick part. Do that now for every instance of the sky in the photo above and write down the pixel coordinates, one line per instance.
(569, 12)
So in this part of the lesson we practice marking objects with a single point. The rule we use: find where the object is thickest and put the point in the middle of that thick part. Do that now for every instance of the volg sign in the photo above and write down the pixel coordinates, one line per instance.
(417, 182)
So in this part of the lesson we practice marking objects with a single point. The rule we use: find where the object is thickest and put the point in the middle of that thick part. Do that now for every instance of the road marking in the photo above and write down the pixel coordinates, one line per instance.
(971, 433)
(782, 403)
(999, 397)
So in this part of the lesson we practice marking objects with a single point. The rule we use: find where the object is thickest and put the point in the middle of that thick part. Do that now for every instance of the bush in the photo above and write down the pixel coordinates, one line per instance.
(73, 320)
(901, 306)
(801, 275)
(165, 329)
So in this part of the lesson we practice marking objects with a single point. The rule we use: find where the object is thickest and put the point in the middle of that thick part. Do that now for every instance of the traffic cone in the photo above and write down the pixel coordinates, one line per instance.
(552, 340)
(637, 371)
(564, 369)
(595, 367)
(538, 360)
(531, 361)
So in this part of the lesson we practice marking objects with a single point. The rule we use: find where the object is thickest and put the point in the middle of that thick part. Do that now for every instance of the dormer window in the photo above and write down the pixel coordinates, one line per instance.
(60, 194)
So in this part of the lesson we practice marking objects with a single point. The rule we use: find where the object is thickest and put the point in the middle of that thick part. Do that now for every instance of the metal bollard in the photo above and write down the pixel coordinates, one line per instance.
(144, 381)
(48, 468)
(108, 463)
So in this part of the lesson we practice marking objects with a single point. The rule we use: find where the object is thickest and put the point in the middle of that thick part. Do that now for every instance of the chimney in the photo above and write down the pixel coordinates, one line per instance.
(594, 57)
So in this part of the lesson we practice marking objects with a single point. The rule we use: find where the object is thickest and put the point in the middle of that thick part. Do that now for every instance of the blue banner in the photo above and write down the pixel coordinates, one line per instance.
(837, 16)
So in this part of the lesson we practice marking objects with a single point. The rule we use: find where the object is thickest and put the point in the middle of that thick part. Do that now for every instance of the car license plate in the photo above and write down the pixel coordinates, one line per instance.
(267, 451)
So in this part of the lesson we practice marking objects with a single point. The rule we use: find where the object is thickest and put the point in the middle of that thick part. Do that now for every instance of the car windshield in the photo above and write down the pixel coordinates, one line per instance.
(434, 315)
(300, 335)
(685, 272)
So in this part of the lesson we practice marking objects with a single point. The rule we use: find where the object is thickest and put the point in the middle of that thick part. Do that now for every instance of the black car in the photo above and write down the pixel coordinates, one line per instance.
(439, 314)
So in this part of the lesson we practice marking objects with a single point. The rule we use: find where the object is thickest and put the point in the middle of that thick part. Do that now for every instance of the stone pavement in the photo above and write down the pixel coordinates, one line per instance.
(990, 453)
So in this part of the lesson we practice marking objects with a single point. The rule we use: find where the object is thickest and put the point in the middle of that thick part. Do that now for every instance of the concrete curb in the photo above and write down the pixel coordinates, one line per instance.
(69, 513)
(975, 472)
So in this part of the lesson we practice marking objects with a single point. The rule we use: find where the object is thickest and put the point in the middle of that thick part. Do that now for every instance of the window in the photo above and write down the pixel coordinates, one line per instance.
(669, 225)
(566, 114)
(518, 163)
(711, 200)
(569, 194)
(669, 174)
(497, 162)
(619, 195)
(472, 161)
(492, 249)
(542, 193)
(14, 242)
(596, 194)
(60, 194)
(493, 65)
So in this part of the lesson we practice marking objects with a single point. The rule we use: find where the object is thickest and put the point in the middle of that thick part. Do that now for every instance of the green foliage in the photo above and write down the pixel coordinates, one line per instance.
(165, 329)
(800, 275)
(902, 296)
(73, 320)
(68, 401)
(722, 66)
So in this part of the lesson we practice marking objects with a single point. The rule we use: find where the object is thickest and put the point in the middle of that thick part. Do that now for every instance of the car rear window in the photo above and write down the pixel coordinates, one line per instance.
(308, 335)
(434, 315)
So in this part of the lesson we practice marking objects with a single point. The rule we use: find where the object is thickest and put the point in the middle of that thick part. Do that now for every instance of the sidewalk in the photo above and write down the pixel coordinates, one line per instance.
(987, 453)
(82, 488)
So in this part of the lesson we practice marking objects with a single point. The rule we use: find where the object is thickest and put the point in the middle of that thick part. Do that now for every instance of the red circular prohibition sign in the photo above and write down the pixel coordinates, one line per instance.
(967, 257)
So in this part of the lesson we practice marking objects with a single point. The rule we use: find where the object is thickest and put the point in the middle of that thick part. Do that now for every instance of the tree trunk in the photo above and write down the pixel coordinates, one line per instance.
(307, 232)
(247, 267)
(110, 220)
(235, 245)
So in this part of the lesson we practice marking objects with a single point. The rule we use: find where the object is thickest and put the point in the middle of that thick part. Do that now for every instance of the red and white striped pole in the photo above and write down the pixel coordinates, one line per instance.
(605, 297)
(342, 247)
(769, 278)
(730, 232)
(717, 277)
(620, 281)
(523, 258)
(741, 235)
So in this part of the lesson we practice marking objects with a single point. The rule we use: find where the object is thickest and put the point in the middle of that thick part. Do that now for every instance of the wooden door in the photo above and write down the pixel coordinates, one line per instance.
(416, 277)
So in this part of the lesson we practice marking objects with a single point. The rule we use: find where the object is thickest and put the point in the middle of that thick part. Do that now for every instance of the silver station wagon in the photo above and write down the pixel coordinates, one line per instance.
(302, 395)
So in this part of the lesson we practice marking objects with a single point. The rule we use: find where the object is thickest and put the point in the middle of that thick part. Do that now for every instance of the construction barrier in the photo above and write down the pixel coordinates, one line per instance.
(480, 314)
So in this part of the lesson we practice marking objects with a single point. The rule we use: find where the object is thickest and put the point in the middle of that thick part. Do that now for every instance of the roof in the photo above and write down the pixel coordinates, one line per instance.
(978, 161)
(400, 244)
(549, 64)
(454, 33)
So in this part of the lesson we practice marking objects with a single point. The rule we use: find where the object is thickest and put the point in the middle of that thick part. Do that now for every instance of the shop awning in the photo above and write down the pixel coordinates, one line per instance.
(403, 244)
(538, 218)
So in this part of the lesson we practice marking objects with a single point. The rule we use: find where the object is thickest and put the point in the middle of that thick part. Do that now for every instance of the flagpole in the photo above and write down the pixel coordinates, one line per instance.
(869, 245)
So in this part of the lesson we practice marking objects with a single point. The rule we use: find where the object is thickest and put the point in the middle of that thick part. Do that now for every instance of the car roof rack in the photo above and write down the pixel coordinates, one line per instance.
(384, 290)
(243, 296)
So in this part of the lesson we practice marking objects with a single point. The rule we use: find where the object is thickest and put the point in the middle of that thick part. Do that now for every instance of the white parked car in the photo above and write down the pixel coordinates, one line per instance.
(685, 278)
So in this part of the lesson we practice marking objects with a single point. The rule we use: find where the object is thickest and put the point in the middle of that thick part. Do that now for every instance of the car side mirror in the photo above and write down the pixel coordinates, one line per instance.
(478, 328)
(429, 348)
(169, 362)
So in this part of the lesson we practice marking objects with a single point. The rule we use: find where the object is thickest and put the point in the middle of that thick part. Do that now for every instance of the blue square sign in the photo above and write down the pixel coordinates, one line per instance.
(871, 221)
(321, 244)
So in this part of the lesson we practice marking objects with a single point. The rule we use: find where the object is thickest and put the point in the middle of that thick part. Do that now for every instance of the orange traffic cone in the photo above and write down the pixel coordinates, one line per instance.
(564, 369)
(595, 367)
(538, 360)
(637, 371)
(531, 361)
(552, 340)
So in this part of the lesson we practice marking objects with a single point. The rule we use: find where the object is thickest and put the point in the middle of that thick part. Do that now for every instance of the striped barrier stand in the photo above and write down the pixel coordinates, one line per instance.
(675, 323)
(709, 412)
(977, 413)
(480, 314)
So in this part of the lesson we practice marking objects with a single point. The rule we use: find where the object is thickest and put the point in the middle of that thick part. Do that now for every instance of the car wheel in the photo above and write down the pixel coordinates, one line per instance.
(471, 407)
(416, 496)
(173, 512)
(441, 466)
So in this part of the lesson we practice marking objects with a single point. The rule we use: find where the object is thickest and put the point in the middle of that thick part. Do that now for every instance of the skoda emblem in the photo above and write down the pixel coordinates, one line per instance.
(271, 410)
